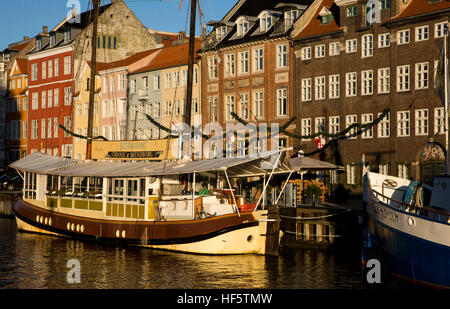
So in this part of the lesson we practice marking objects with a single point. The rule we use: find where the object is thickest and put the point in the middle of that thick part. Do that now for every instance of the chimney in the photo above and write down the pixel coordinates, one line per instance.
(45, 29)
(26, 38)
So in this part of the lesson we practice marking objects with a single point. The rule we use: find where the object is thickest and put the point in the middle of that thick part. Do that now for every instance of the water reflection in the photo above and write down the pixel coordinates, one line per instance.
(37, 261)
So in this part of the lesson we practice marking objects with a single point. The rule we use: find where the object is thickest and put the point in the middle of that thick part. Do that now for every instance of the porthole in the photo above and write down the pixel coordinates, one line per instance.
(37, 218)
(249, 238)
(82, 229)
(68, 226)
(49, 221)
(72, 227)
(411, 221)
(41, 219)
(123, 234)
(117, 233)
(78, 227)
(46, 221)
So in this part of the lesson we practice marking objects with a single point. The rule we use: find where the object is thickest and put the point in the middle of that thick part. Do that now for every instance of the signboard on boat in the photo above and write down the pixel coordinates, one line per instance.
(155, 150)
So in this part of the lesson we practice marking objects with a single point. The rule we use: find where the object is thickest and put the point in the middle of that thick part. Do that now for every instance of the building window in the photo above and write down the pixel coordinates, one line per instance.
(422, 33)
(258, 60)
(243, 106)
(43, 130)
(243, 62)
(383, 40)
(258, 104)
(229, 65)
(34, 100)
(366, 119)
(67, 36)
(439, 29)
(34, 129)
(242, 26)
(319, 125)
(265, 21)
(351, 11)
(349, 120)
(333, 49)
(44, 99)
(282, 60)
(67, 65)
(290, 17)
(25, 129)
(439, 120)
(403, 123)
(306, 128)
(212, 69)
(168, 108)
(334, 125)
(320, 51)
(56, 127)
(56, 67)
(168, 80)
(403, 78)
(421, 118)
(402, 171)
(306, 89)
(403, 37)
(122, 82)
(367, 45)
(282, 102)
(384, 80)
(351, 46)
(367, 82)
(325, 20)
(132, 86)
(383, 169)
(319, 89)
(422, 75)
(306, 53)
(38, 44)
(221, 32)
(157, 82)
(213, 115)
(384, 126)
(333, 88)
(34, 71)
(44, 70)
(176, 77)
(50, 69)
(184, 78)
(350, 170)
(229, 103)
(350, 84)
(67, 96)
(49, 127)
(56, 97)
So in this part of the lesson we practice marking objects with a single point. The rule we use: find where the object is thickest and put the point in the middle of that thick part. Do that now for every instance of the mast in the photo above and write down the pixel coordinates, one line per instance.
(447, 157)
(96, 4)
(190, 77)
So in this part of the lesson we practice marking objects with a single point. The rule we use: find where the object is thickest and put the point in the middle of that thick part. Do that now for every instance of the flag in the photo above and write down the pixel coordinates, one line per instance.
(439, 77)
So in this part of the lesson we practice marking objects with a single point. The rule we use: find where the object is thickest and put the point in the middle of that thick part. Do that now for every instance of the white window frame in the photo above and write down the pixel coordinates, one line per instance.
(258, 59)
(334, 86)
(351, 46)
(422, 75)
(306, 85)
(384, 40)
(368, 132)
(403, 124)
(421, 122)
(230, 69)
(439, 120)
(351, 84)
(403, 37)
(306, 128)
(306, 53)
(367, 82)
(367, 45)
(422, 33)
(282, 56)
(282, 102)
(243, 62)
(349, 120)
(403, 78)
(333, 49)
(334, 125)
(384, 126)
(319, 88)
(319, 51)
(384, 80)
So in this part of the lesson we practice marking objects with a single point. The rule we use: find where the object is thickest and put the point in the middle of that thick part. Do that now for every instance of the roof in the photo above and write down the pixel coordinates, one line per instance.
(306, 163)
(236, 167)
(102, 66)
(22, 65)
(419, 7)
(170, 57)
(314, 26)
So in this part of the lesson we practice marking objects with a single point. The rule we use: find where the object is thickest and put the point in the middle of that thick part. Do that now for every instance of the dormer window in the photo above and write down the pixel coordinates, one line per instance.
(52, 40)
(326, 16)
(67, 36)
(265, 21)
(38, 44)
(221, 32)
(242, 26)
(290, 17)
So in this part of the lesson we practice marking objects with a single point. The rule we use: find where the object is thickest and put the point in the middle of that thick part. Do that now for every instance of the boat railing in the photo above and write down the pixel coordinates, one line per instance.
(427, 212)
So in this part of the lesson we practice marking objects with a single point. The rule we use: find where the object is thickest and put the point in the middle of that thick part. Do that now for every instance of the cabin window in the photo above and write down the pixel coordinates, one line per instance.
(118, 187)
(66, 184)
(30, 185)
(52, 184)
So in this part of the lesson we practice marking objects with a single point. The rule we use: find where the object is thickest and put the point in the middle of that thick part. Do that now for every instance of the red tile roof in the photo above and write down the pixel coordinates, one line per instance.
(101, 66)
(418, 7)
(23, 65)
(170, 56)
(314, 26)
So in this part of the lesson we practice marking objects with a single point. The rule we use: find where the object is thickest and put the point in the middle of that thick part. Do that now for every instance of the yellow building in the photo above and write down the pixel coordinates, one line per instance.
(16, 111)
(81, 108)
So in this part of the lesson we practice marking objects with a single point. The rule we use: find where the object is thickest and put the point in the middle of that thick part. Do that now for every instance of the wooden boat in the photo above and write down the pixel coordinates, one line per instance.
(145, 203)
(407, 227)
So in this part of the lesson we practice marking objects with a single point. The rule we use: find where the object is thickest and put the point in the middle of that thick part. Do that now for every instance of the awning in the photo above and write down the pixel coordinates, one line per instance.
(305, 163)
(236, 167)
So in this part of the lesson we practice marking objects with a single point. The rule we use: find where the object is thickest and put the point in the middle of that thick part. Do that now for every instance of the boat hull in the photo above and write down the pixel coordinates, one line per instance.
(226, 234)
(408, 245)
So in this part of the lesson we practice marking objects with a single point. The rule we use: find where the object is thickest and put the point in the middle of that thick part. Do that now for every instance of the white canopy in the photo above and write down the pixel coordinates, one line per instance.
(236, 167)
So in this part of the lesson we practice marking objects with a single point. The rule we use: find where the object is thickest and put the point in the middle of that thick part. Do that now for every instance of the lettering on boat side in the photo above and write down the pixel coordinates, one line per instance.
(381, 211)
(74, 274)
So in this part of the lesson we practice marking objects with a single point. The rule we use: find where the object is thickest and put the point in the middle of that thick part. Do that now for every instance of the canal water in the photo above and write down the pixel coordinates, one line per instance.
(33, 261)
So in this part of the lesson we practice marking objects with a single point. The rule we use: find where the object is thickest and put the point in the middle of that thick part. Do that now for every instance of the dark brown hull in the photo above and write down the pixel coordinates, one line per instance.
(131, 232)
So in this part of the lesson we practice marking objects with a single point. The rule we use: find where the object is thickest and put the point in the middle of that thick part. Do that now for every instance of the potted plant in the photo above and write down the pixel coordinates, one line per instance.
(312, 193)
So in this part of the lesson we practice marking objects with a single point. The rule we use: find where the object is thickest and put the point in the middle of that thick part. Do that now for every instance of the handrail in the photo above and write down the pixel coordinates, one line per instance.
(404, 205)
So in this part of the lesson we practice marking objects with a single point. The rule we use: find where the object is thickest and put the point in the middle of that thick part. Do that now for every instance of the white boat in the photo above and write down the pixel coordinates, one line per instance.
(407, 227)
(146, 203)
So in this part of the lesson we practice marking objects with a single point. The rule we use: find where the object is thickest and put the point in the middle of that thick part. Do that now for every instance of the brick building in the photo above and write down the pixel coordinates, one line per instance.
(248, 68)
(351, 68)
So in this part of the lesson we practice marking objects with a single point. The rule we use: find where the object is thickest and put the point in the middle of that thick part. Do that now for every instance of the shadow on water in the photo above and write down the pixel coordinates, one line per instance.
(38, 261)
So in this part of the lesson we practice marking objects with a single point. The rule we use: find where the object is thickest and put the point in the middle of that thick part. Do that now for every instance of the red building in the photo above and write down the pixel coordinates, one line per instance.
(51, 84)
